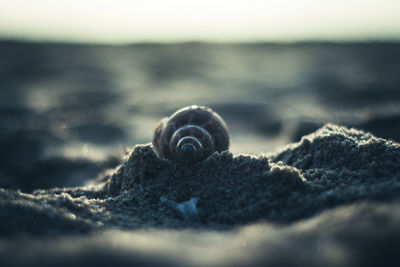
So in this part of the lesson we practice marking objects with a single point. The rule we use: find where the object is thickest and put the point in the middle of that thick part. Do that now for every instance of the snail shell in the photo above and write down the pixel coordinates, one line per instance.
(190, 135)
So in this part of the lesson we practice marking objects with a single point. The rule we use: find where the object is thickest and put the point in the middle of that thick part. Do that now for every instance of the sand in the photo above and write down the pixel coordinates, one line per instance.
(69, 113)
(332, 199)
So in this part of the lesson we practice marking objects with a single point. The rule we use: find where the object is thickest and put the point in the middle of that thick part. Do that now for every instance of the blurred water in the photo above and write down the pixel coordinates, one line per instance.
(68, 111)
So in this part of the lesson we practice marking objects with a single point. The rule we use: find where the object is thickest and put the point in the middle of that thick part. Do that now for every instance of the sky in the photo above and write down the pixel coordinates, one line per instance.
(126, 21)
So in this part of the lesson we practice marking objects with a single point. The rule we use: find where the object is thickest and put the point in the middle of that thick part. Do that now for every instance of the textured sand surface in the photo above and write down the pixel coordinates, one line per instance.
(69, 196)
(331, 199)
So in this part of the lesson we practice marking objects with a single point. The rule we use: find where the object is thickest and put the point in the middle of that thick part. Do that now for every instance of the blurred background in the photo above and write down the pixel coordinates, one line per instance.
(82, 82)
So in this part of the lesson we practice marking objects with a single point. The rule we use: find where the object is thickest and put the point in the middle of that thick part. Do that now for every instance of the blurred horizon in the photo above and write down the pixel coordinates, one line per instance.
(177, 21)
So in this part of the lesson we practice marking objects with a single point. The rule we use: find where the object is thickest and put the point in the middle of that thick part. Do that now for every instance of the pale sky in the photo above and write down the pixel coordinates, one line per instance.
(124, 21)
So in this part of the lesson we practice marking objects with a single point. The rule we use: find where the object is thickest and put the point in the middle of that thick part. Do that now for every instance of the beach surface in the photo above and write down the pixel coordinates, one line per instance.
(335, 194)
(312, 177)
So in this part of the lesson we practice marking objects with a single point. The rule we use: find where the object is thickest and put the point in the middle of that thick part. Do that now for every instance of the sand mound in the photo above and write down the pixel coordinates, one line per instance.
(333, 166)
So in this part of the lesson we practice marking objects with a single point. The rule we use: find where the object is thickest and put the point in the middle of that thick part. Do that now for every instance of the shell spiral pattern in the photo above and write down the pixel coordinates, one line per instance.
(190, 135)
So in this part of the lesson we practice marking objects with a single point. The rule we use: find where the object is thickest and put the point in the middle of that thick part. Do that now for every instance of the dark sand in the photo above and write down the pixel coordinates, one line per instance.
(330, 200)
(73, 192)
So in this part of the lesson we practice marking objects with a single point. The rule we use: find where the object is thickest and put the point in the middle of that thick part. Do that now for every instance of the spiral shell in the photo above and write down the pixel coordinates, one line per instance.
(190, 135)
